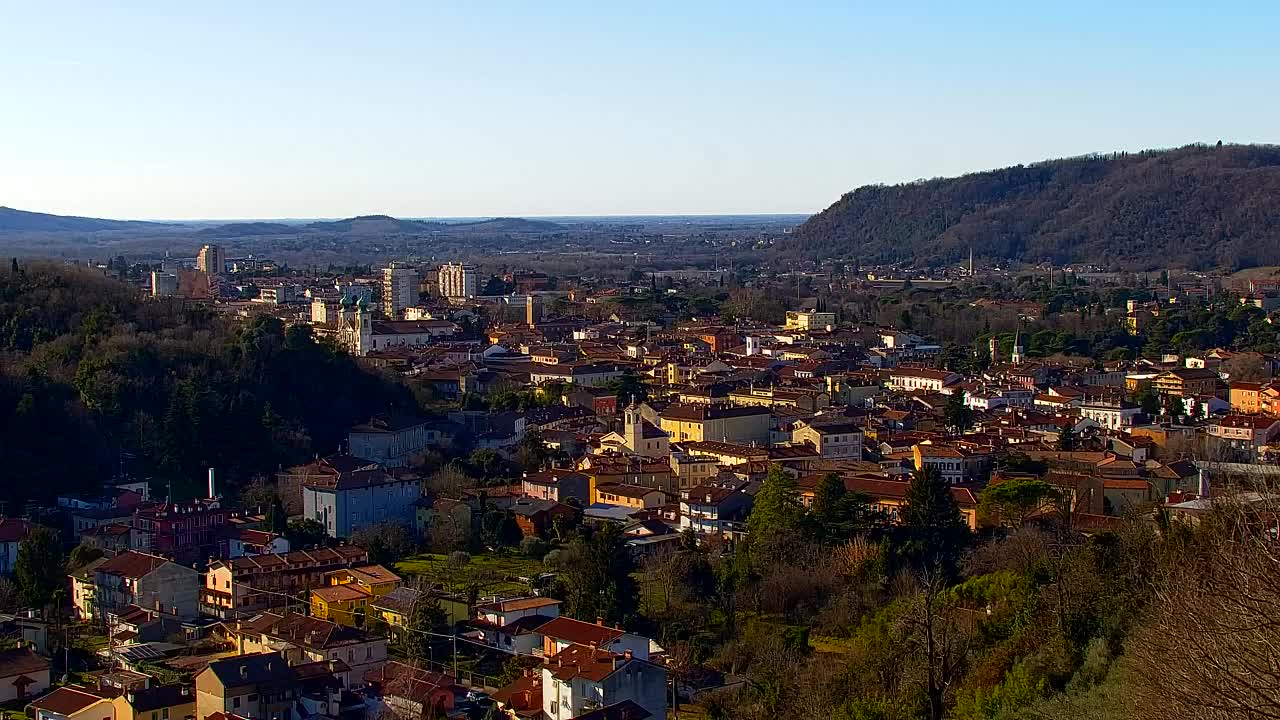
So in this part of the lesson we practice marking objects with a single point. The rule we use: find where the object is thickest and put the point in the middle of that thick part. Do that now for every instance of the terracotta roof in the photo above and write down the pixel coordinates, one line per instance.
(20, 661)
(66, 701)
(131, 564)
(13, 530)
(341, 593)
(581, 661)
(566, 629)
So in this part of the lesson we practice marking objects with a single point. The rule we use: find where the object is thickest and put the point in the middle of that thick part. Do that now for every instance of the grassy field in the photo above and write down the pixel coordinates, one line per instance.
(493, 573)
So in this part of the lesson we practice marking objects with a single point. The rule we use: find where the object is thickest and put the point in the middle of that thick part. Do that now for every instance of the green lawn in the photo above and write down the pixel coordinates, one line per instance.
(494, 573)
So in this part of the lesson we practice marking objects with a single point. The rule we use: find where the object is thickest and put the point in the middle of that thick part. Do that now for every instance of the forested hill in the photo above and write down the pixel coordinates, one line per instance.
(89, 373)
(1196, 207)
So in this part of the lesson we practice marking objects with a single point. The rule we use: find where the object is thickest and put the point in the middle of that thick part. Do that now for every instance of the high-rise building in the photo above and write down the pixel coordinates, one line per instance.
(212, 260)
(457, 280)
(163, 284)
(399, 289)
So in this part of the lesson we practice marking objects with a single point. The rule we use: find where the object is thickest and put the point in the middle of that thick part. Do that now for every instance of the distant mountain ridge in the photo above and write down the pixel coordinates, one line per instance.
(12, 220)
(1196, 207)
(23, 221)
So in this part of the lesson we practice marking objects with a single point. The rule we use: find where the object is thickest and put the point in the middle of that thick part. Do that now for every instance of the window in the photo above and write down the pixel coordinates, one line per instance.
(555, 708)
(165, 714)
(235, 702)
(368, 653)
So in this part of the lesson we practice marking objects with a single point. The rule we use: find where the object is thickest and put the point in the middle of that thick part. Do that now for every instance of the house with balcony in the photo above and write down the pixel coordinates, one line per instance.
(147, 581)
(714, 510)
(582, 680)
(254, 583)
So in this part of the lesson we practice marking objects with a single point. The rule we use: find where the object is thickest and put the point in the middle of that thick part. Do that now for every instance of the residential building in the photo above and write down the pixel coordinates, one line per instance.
(830, 438)
(163, 284)
(84, 589)
(1115, 415)
(955, 465)
(581, 679)
(1246, 397)
(580, 374)
(536, 518)
(563, 632)
(391, 440)
(23, 674)
(251, 584)
(637, 497)
(513, 625)
(12, 533)
(396, 608)
(1245, 434)
(714, 510)
(1184, 382)
(187, 532)
(350, 501)
(300, 639)
(557, 484)
(399, 289)
(457, 280)
(409, 692)
(346, 598)
(257, 687)
(161, 702)
(808, 320)
(148, 581)
(697, 423)
(211, 260)
(922, 379)
(72, 703)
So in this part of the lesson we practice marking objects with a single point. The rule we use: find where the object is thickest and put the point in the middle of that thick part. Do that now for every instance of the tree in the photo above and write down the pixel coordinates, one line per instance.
(597, 576)
(39, 567)
(1016, 498)
(629, 387)
(386, 541)
(777, 513)
(425, 616)
(1149, 401)
(305, 532)
(933, 533)
(959, 415)
(82, 555)
(500, 529)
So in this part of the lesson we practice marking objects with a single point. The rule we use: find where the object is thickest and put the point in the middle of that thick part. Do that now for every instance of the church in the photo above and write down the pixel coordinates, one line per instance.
(638, 437)
(360, 334)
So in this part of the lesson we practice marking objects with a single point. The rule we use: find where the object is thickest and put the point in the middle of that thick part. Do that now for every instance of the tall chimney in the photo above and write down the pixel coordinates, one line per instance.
(212, 490)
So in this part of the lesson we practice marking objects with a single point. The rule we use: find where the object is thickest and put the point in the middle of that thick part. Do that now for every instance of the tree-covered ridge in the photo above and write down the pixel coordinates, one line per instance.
(1195, 207)
(89, 373)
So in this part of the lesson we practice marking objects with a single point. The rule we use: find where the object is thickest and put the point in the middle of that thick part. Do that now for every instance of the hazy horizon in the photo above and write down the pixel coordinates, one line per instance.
(308, 110)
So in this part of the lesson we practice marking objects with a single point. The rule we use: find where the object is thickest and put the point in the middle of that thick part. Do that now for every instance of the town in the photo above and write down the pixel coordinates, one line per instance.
(609, 498)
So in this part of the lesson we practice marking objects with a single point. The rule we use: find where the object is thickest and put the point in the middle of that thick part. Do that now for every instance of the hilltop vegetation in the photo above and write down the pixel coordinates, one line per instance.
(1195, 207)
(87, 372)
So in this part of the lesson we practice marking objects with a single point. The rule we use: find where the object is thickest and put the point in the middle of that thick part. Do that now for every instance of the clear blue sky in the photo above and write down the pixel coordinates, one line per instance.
(319, 109)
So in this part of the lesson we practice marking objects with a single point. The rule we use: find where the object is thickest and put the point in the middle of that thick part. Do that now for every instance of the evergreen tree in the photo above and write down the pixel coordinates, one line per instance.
(777, 512)
(933, 533)
(959, 415)
(426, 616)
(39, 567)
(598, 579)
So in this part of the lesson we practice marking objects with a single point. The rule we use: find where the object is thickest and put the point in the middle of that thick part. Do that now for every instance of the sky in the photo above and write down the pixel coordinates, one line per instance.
(282, 109)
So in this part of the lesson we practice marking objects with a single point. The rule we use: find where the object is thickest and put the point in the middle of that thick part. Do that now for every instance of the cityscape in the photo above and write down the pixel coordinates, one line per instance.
(420, 362)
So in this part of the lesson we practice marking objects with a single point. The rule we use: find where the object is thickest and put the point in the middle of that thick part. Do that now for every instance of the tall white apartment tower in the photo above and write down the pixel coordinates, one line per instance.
(399, 289)
(212, 260)
(457, 280)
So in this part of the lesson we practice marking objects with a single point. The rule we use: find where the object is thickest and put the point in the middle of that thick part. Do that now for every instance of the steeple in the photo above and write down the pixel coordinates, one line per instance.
(1018, 350)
